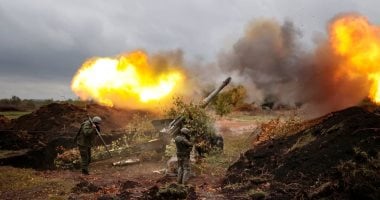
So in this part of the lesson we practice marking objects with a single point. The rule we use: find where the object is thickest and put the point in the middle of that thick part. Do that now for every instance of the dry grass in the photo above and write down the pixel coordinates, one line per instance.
(217, 163)
(302, 141)
(256, 194)
(283, 127)
(18, 179)
(25, 182)
(271, 126)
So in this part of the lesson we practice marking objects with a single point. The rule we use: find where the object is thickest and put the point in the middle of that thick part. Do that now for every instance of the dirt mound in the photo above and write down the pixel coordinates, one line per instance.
(60, 120)
(85, 187)
(325, 160)
(173, 191)
(67, 117)
(55, 125)
(4, 122)
(125, 189)
(128, 185)
(53, 117)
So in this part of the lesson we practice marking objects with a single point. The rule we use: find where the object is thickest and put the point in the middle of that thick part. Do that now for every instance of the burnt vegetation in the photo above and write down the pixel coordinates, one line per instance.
(337, 158)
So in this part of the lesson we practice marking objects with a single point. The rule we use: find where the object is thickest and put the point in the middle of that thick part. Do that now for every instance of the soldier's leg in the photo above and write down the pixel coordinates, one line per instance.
(186, 170)
(84, 158)
(180, 170)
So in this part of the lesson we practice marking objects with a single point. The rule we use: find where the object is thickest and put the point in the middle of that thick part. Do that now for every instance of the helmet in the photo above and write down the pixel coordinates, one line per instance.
(185, 131)
(97, 119)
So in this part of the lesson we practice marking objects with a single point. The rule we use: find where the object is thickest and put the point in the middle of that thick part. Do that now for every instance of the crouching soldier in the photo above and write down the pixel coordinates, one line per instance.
(184, 147)
(85, 139)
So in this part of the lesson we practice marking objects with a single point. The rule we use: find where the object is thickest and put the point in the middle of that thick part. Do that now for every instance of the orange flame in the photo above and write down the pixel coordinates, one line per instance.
(128, 81)
(358, 43)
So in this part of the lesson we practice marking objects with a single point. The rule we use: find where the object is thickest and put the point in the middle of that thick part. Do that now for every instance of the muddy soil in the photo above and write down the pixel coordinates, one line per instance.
(337, 158)
(109, 182)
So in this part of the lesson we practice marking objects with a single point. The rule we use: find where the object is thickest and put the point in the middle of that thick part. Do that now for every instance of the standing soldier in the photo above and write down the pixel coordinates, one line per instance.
(85, 139)
(184, 147)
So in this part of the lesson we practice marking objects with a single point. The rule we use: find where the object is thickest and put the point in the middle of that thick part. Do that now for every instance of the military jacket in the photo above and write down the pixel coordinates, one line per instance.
(184, 146)
(86, 134)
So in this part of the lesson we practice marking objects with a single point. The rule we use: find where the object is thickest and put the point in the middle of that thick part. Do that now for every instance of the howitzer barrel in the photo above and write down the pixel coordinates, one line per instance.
(211, 96)
(175, 125)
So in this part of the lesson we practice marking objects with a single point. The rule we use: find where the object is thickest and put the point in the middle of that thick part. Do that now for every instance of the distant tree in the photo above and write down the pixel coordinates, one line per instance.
(238, 95)
(232, 98)
(48, 101)
(15, 100)
(29, 104)
(4, 101)
(223, 104)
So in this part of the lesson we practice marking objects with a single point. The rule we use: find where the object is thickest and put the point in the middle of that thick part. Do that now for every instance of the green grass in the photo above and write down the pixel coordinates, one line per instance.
(14, 114)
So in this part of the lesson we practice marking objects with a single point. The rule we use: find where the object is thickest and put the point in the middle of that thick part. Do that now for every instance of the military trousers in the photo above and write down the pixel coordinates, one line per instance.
(183, 169)
(85, 155)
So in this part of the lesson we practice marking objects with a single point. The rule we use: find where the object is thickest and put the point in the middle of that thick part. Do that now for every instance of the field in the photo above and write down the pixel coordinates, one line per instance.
(267, 155)
(23, 183)
(14, 114)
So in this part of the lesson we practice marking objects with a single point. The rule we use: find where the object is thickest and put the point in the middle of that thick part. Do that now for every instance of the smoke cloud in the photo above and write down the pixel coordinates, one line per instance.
(270, 62)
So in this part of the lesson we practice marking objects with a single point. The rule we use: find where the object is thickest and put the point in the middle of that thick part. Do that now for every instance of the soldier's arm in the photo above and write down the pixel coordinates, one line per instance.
(187, 142)
(183, 140)
(88, 130)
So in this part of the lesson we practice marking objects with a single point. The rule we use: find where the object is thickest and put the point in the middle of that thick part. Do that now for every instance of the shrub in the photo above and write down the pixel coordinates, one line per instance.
(196, 118)
(226, 101)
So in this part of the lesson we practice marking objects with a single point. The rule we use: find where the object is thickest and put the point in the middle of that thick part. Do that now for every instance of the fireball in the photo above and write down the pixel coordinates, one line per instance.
(127, 81)
(357, 42)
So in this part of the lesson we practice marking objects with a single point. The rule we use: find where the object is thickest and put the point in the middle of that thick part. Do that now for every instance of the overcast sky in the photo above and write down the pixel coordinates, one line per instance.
(42, 42)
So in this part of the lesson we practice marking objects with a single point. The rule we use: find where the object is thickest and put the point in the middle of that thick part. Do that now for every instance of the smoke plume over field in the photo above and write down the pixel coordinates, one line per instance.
(269, 60)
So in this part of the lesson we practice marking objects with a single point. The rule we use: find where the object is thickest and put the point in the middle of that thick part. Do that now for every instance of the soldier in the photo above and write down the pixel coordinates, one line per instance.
(217, 142)
(85, 139)
(184, 147)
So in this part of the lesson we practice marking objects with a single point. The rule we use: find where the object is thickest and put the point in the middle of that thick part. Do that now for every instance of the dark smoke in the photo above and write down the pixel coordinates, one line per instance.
(265, 57)
(270, 62)
(163, 60)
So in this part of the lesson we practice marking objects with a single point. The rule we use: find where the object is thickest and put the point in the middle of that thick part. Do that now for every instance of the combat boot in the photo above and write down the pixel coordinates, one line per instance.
(85, 172)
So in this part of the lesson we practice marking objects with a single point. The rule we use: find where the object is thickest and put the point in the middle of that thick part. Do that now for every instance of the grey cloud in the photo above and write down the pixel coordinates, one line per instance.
(34, 88)
(49, 40)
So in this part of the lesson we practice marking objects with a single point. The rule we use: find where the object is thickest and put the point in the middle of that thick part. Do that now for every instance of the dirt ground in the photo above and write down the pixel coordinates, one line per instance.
(109, 181)
(129, 182)
(266, 156)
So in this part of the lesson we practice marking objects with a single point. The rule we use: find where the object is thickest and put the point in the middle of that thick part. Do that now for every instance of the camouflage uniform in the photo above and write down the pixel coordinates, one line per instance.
(85, 139)
(184, 147)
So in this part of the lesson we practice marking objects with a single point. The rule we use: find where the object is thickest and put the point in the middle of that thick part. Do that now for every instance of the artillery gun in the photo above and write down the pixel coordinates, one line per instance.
(175, 125)
(168, 128)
